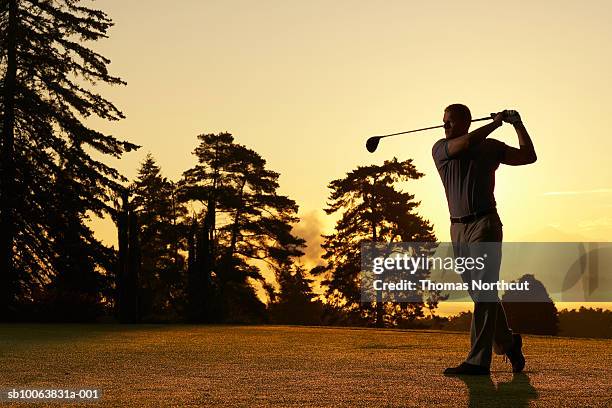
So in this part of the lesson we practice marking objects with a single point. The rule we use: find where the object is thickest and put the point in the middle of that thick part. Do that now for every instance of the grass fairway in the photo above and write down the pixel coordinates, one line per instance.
(280, 366)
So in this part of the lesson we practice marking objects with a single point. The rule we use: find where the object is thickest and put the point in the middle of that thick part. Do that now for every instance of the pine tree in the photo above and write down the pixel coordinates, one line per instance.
(47, 69)
(77, 288)
(372, 210)
(294, 302)
(160, 219)
(245, 221)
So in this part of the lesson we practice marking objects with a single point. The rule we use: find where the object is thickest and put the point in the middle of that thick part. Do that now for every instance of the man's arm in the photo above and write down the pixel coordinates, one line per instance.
(526, 154)
(462, 143)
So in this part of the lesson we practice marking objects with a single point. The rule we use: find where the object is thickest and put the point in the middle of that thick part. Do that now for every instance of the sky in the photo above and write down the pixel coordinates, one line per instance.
(305, 83)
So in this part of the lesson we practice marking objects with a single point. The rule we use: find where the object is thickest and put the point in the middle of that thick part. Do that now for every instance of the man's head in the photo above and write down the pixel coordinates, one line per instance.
(457, 120)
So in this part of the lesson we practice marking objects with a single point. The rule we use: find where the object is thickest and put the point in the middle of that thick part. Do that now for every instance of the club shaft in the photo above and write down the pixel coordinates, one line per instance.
(431, 127)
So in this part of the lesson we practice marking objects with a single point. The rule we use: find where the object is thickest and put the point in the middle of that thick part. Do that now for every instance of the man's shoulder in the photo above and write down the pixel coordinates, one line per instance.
(439, 152)
(438, 144)
(440, 141)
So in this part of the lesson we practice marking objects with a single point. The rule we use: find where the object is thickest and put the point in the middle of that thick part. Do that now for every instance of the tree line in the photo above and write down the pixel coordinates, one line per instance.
(190, 250)
(203, 242)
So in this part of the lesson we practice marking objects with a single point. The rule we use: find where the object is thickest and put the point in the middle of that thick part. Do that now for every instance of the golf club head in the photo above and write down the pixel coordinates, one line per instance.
(372, 143)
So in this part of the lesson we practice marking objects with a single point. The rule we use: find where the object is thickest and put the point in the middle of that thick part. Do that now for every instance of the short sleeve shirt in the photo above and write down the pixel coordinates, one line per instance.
(469, 177)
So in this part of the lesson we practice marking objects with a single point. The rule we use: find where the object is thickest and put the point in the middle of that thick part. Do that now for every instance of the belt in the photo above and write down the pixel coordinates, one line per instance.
(472, 217)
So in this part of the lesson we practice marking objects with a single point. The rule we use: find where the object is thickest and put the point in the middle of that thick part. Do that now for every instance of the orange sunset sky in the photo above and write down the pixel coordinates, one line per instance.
(304, 83)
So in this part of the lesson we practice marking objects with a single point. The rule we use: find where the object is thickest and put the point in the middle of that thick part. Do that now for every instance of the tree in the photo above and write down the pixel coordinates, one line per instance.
(46, 71)
(160, 221)
(294, 302)
(586, 322)
(372, 210)
(531, 311)
(76, 291)
(244, 223)
(127, 273)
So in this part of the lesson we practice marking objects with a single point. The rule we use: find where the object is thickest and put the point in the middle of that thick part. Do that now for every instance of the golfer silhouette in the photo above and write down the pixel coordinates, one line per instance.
(466, 162)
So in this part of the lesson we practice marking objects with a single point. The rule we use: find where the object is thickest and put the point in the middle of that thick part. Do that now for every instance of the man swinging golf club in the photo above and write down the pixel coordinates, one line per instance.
(467, 162)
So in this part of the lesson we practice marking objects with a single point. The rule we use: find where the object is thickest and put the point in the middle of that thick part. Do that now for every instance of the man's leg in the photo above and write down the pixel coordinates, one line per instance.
(476, 362)
(502, 340)
(489, 325)
(482, 329)
(484, 237)
(459, 250)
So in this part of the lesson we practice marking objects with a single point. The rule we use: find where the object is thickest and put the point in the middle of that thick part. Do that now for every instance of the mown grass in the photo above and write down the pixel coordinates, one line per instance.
(281, 366)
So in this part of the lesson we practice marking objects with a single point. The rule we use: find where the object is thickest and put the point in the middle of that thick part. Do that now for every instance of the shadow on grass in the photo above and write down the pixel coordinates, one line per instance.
(484, 393)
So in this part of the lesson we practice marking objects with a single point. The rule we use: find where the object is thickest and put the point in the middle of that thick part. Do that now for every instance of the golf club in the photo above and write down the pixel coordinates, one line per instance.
(372, 143)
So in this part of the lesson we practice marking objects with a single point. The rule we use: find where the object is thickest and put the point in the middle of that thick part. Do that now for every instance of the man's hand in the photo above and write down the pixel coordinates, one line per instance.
(498, 117)
(511, 116)
(526, 153)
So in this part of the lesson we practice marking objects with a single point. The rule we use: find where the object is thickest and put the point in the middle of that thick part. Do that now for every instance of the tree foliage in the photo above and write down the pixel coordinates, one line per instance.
(371, 209)
(531, 311)
(294, 302)
(161, 220)
(48, 74)
(244, 224)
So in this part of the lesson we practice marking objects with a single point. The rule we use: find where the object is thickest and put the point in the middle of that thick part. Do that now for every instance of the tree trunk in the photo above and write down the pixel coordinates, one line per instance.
(122, 270)
(7, 179)
(193, 283)
(134, 262)
(234, 236)
(380, 322)
(128, 264)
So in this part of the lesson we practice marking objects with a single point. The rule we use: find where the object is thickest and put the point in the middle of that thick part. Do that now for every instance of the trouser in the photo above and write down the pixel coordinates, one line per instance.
(489, 325)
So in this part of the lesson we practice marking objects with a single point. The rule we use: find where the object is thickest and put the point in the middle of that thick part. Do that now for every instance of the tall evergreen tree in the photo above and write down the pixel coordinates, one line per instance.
(160, 219)
(46, 69)
(372, 210)
(294, 302)
(245, 221)
(77, 289)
